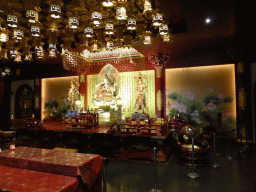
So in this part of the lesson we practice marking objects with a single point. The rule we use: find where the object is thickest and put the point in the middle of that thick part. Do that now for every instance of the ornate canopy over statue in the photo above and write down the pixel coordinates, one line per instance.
(107, 90)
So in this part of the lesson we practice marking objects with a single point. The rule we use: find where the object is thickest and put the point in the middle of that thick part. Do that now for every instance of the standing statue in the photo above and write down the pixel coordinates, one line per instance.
(73, 95)
(141, 89)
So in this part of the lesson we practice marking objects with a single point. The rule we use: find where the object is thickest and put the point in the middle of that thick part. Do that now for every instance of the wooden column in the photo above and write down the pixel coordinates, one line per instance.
(159, 91)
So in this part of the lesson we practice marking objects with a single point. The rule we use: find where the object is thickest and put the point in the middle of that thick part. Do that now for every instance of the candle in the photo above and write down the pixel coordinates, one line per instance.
(0, 150)
(12, 146)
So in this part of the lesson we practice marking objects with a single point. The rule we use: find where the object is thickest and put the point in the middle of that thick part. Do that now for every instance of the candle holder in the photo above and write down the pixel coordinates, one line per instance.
(12, 146)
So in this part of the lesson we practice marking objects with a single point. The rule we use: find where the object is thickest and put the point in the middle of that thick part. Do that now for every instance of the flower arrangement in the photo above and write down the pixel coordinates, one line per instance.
(57, 110)
(202, 113)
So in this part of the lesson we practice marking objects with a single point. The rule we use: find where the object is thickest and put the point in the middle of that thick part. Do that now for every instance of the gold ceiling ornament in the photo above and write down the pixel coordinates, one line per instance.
(4, 33)
(55, 8)
(108, 3)
(163, 29)
(18, 35)
(157, 19)
(131, 25)
(109, 28)
(35, 30)
(18, 57)
(12, 20)
(32, 15)
(52, 44)
(121, 10)
(166, 37)
(75, 25)
(158, 60)
(147, 35)
(96, 18)
(88, 32)
(148, 11)
(26, 49)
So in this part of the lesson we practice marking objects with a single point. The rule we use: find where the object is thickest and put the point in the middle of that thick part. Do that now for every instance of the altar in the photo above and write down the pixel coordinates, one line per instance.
(105, 140)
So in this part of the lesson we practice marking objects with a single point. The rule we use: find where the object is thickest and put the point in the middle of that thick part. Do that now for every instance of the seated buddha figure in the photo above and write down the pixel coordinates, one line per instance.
(106, 90)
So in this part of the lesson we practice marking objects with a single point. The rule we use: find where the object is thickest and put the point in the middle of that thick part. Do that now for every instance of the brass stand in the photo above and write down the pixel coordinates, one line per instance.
(229, 156)
(215, 165)
(193, 175)
(155, 173)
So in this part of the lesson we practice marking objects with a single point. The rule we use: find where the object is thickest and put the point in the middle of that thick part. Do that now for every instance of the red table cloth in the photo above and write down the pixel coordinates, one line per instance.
(66, 163)
(20, 180)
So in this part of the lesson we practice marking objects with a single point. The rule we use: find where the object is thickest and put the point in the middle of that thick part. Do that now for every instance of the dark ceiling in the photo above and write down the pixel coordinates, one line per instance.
(186, 18)
(182, 15)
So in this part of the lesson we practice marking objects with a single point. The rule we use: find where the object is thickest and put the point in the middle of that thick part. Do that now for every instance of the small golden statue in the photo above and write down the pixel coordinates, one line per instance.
(141, 89)
(73, 95)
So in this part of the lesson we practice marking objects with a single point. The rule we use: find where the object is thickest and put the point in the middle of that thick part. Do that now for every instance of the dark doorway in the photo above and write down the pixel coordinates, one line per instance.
(24, 102)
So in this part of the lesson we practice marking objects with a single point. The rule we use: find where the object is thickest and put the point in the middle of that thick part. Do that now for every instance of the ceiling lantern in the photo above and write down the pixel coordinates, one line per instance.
(4, 37)
(131, 24)
(35, 30)
(18, 57)
(13, 53)
(96, 18)
(39, 51)
(73, 22)
(52, 50)
(157, 19)
(95, 45)
(18, 34)
(109, 28)
(88, 32)
(121, 13)
(28, 57)
(64, 51)
(147, 39)
(52, 53)
(12, 21)
(55, 11)
(147, 7)
(40, 54)
(52, 46)
(27, 53)
(121, 10)
(38, 48)
(166, 38)
(32, 16)
(163, 29)
(108, 3)
(110, 45)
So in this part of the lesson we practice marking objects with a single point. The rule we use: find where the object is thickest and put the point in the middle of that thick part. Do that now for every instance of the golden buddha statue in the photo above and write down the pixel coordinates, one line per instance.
(106, 90)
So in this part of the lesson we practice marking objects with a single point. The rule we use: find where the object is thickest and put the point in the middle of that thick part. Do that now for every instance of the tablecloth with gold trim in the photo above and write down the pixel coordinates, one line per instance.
(20, 180)
(66, 163)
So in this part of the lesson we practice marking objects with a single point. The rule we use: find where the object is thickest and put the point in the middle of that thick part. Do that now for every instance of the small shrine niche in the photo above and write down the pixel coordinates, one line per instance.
(125, 88)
